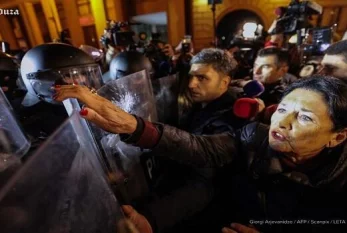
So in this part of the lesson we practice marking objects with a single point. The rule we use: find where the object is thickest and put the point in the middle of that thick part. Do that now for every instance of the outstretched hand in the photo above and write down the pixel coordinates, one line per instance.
(126, 226)
(140, 222)
(98, 110)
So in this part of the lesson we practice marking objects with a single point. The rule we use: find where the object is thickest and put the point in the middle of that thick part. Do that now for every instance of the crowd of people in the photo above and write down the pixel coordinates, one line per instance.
(255, 154)
(241, 170)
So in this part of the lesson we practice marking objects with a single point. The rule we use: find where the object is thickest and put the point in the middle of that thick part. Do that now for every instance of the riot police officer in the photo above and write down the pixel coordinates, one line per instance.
(126, 63)
(43, 67)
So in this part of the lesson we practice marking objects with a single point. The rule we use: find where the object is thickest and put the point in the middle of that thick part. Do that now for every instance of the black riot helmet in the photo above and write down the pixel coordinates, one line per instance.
(56, 64)
(128, 62)
(8, 73)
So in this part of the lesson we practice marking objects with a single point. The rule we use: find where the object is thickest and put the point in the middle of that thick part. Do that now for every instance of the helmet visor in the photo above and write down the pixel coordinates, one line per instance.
(43, 81)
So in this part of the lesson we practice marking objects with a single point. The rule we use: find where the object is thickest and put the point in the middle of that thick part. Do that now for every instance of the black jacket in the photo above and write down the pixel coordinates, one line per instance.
(262, 190)
(273, 93)
(183, 190)
(215, 117)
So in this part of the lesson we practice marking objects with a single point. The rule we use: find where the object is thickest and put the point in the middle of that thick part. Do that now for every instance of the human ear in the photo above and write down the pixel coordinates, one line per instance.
(337, 138)
(284, 69)
(225, 82)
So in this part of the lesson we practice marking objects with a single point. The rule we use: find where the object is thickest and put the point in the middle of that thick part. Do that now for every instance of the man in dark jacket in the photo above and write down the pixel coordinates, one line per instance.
(211, 113)
(270, 68)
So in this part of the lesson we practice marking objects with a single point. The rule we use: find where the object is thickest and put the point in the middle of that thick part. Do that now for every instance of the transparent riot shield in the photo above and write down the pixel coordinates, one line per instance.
(133, 94)
(166, 95)
(126, 169)
(61, 188)
(13, 143)
(12, 138)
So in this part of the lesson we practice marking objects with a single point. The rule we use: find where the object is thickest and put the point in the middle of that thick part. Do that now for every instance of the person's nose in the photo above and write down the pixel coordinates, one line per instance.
(257, 70)
(286, 121)
(193, 82)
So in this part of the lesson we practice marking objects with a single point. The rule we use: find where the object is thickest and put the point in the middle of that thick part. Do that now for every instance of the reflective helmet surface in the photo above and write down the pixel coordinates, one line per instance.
(56, 63)
(128, 62)
(95, 53)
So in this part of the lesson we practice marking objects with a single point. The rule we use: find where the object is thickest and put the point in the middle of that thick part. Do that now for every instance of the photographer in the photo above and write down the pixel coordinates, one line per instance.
(160, 55)
(184, 54)
(294, 19)
(117, 38)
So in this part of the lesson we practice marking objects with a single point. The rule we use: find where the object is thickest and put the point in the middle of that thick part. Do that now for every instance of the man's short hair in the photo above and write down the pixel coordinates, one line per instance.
(282, 56)
(338, 48)
(220, 60)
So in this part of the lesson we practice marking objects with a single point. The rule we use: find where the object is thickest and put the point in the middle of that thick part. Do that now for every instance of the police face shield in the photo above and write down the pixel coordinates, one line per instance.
(63, 187)
(121, 74)
(42, 82)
